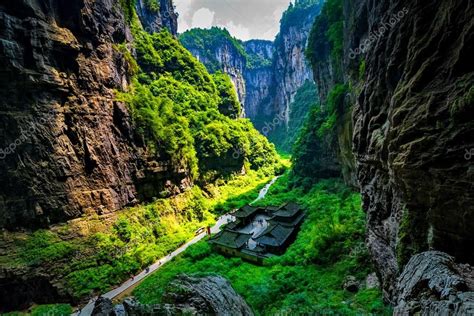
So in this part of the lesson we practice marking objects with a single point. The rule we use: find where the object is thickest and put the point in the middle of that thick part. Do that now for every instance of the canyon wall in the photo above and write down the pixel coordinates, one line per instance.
(267, 75)
(218, 51)
(412, 129)
(258, 76)
(157, 14)
(290, 67)
(400, 78)
(67, 147)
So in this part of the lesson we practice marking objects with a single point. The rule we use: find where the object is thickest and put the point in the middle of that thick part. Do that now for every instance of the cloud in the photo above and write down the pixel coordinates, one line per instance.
(203, 18)
(245, 19)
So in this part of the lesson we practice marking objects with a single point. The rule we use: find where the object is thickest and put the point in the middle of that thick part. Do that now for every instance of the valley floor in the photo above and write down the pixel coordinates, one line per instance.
(91, 255)
(309, 277)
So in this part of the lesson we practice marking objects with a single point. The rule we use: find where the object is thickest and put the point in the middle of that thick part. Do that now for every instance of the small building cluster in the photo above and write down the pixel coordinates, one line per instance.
(259, 232)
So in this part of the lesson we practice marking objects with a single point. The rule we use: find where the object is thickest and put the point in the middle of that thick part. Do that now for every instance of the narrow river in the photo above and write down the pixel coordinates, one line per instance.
(130, 284)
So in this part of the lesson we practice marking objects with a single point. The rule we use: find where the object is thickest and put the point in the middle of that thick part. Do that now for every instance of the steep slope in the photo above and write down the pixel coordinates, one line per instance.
(390, 65)
(218, 50)
(136, 119)
(267, 75)
(156, 15)
(72, 148)
(291, 70)
(68, 146)
(258, 76)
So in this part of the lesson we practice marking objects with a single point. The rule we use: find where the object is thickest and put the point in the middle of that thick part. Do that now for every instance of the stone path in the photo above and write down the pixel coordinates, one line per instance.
(87, 310)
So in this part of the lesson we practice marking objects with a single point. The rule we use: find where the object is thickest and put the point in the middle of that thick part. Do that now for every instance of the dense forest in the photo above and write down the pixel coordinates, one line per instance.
(146, 172)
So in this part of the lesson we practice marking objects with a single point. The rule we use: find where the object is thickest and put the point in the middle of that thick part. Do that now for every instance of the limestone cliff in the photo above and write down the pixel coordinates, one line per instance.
(157, 14)
(219, 51)
(291, 70)
(412, 131)
(267, 75)
(67, 147)
(402, 71)
(259, 79)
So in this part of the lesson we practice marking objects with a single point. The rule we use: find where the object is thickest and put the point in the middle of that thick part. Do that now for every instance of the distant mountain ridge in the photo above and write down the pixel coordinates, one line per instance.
(266, 74)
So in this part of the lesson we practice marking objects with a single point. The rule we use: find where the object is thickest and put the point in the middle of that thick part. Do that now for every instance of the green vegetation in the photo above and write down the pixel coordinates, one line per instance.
(361, 69)
(314, 154)
(189, 116)
(255, 61)
(42, 310)
(107, 250)
(311, 158)
(153, 5)
(206, 42)
(327, 28)
(308, 277)
(229, 104)
(176, 109)
(298, 13)
(285, 137)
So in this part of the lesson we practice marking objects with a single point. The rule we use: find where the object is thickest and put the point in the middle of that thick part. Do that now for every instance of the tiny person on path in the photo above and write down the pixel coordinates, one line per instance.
(147, 270)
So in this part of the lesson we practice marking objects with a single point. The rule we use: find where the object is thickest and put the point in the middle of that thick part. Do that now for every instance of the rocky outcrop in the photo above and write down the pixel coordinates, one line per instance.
(410, 98)
(219, 51)
(290, 67)
(185, 295)
(258, 76)
(67, 147)
(267, 75)
(433, 284)
(412, 130)
(156, 15)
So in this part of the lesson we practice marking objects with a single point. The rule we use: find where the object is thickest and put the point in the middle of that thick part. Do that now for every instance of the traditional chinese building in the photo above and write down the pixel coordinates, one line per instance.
(260, 232)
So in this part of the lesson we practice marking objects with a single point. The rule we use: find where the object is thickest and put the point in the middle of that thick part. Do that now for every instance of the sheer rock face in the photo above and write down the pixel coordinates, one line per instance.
(291, 69)
(267, 84)
(259, 79)
(154, 20)
(184, 296)
(412, 128)
(433, 284)
(228, 59)
(67, 147)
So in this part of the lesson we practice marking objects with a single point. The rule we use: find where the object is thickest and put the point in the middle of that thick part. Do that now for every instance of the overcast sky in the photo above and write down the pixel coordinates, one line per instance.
(245, 19)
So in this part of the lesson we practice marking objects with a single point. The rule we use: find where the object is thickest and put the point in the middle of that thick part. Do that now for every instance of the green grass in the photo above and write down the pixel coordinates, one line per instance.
(45, 310)
(104, 253)
(309, 276)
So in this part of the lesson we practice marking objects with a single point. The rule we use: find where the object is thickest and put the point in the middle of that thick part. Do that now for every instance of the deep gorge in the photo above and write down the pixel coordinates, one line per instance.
(121, 138)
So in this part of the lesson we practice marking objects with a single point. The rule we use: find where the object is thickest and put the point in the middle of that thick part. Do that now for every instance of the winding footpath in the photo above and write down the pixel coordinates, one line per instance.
(87, 310)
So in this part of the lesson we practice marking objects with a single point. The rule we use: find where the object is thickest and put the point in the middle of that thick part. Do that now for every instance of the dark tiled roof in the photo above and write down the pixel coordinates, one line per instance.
(275, 235)
(230, 239)
(273, 208)
(245, 211)
(233, 225)
(288, 210)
